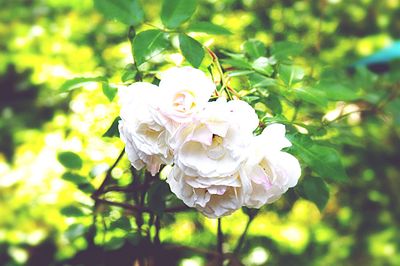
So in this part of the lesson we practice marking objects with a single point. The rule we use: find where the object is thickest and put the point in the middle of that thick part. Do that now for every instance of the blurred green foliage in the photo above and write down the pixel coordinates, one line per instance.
(45, 204)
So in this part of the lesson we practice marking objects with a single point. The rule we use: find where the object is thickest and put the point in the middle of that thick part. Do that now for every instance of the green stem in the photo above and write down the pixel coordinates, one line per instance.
(243, 236)
(220, 240)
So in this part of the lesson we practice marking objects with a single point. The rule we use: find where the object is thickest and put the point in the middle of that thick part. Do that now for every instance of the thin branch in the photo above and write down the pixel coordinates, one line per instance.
(224, 80)
(100, 190)
(243, 236)
(136, 208)
(175, 209)
(133, 208)
(131, 36)
(138, 187)
(157, 224)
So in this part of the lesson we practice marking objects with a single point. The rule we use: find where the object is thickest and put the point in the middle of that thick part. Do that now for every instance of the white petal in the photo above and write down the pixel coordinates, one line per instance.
(273, 137)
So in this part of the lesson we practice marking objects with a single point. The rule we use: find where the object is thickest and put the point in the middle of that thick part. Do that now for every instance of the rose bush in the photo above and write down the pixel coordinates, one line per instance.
(219, 165)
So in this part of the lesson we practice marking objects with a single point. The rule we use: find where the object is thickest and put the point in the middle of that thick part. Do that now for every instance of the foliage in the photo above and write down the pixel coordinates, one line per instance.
(68, 195)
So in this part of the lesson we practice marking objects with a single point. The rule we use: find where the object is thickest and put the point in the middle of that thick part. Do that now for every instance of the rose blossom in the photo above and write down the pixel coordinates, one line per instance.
(145, 139)
(269, 172)
(215, 143)
(221, 198)
(219, 165)
(183, 92)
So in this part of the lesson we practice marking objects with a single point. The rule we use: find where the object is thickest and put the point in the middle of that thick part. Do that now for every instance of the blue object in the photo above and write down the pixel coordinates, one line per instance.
(381, 57)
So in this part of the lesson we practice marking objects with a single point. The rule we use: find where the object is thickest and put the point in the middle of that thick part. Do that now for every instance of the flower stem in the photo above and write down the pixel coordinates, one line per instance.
(243, 236)
(224, 80)
(220, 239)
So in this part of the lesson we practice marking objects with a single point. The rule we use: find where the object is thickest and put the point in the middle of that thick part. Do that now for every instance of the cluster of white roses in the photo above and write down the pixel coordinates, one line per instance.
(218, 164)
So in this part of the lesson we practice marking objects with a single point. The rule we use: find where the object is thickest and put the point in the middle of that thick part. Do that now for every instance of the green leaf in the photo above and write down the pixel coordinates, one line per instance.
(191, 49)
(114, 243)
(70, 160)
(254, 48)
(87, 188)
(392, 108)
(274, 104)
(237, 63)
(337, 91)
(74, 178)
(176, 12)
(129, 12)
(311, 95)
(238, 73)
(282, 50)
(148, 44)
(323, 160)
(113, 130)
(279, 118)
(72, 211)
(263, 65)
(337, 87)
(157, 196)
(75, 231)
(259, 81)
(79, 82)
(316, 190)
(208, 27)
(129, 73)
(133, 238)
(290, 74)
(122, 223)
(109, 91)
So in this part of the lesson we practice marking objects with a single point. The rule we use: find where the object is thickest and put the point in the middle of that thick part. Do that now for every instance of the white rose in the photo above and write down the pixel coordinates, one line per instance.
(145, 139)
(269, 172)
(220, 199)
(215, 144)
(184, 91)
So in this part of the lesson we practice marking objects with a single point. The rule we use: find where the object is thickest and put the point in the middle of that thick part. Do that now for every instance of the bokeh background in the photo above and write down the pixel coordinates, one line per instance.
(43, 43)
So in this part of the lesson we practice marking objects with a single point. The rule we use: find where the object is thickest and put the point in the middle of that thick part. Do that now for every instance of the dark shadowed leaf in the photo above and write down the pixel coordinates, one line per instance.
(87, 188)
(74, 178)
(176, 12)
(133, 238)
(114, 243)
(72, 211)
(191, 49)
(113, 131)
(157, 196)
(147, 44)
(208, 27)
(274, 104)
(122, 223)
(316, 190)
(70, 160)
(129, 12)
